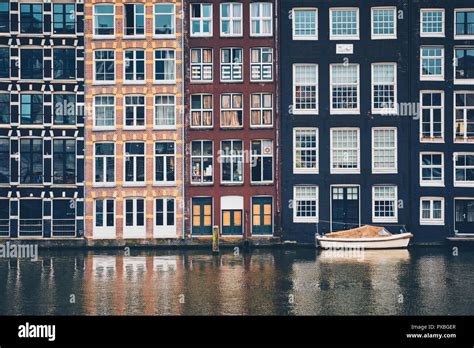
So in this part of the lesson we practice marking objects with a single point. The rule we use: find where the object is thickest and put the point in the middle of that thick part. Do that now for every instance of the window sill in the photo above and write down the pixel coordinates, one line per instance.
(164, 37)
(132, 184)
(383, 37)
(197, 184)
(431, 223)
(432, 140)
(305, 38)
(463, 37)
(201, 82)
(305, 221)
(433, 78)
(173, 128)
(261, 35)
(133, 37)
(103, 83)
(261, 81)
(230, 36)
(306, 112)
(262, 183)
(199, 36)
(463, 82)
(164, 184)
(232, 183)
(134, 83)
(384, 171)
(296, 171)
(261, 127)
(98, 185)
(103, 129)
(428, 35)
(463, 141)
(344, 172)
(167, 82)
(432, 184)
(386, 220)
(103, 37)
(343, 38)
(464, 184)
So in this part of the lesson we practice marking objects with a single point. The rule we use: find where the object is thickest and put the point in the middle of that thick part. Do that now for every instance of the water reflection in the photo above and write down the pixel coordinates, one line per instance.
(301, 282)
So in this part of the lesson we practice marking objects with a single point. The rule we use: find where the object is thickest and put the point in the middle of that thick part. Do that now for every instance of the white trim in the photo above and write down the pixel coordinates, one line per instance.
(104, 232)
(161, 127)
(201, 65)
(225, 157)
(94, 157)
(431, 183)
(393, 219)
(385, 111)
(231, 65)
(461, 183)
(442, 10)
(314, 83)
(395, 19)
(134, 61)
(261, 109)
(164, 231)
(461, 37)
(261, 63)
(393, 170)
(312, 219)
(201, 110)
(134, 230)
(306, 170)
(201, 159)
(431, 108)
(231, 109)
(164, 82)
(433, 77)
(333, 111)
(305, 37)
(457, 81)
(134, 127)
(100, 128)
(232, 18)
(344, 170)
(344, 37)
(262, 156)
(431, 220)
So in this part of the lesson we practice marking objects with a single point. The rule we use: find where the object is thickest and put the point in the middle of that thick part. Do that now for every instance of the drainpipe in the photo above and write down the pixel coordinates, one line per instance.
(183, 122)
(277, 120)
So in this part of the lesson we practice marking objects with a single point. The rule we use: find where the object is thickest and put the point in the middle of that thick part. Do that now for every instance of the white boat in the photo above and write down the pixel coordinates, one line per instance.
(365, 237)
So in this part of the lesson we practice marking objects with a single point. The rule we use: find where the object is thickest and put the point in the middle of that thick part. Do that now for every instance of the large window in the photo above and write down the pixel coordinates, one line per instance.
(261, 161)
(165, 111)
(165, 19)
(104, 163)
(201, 19)
(4, 160)
(344, 23)
(31, 161)
(134, 212)
(4, 62)
(231, 64)
(261, 19)
(344, 88)
(345, 151)
(31, 109)
(432, 116)
(31, 18)
(165, 162)
(104, 111)
(104, 20)
(384, 150)
(64, 63)
(305, 151)
(261, 110)
(4, 16)
(231, 19)
(165, 66)
(201, 110)
(431, 169)
(384, 88)
(464, 59)
(201, 64)
(202, 167)
(134, 65)
(232, 161)
(305, 204)
(64, 161)
(64, 217)
(431, 211)
(134, 19)
(165, 213)
(464, 115)
(134, 162)
(104, 66)
(464, 26)
(305, 24)
(261, 64)
(31, 64)
(384, 204)
(384, 23)
(4, 217)
(432, 63)
(5, 109)
(30, 223)
(463, 169)
(231, 110)
(64, 18)
(134, 111)
(64, 109)
(104, 213)
(305, 89)
(432, 22)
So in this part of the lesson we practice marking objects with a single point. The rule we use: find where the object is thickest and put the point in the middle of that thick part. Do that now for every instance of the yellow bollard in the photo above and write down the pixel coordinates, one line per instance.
(215, 239)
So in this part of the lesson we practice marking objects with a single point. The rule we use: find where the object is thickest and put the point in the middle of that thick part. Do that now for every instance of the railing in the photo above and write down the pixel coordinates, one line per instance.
(64, 228)
(201, 72)
(262, 71)
(4, 227)
(231, 72)
(30, 227)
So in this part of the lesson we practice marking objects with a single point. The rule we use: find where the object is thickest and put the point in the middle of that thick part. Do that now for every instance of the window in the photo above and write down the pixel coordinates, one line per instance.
(305, 89)
(165, 20)
(201, 64)
(432, 63)
(384, 23)
(165, 213)
(30, 223)
(4, 17)
(201, 110)
(305, 24)
(305, 151)
(464, 60)
(31, 109)
(104, 62)
(4, 217)
(202, 162)
(432, 116)
(431, 211)
(432, 22)
(104, 213)
(463, 169)
(431, 169)
(104, 20)
(231, 64)
(464, 114)
(64, 109)
(134, 212)
(135, 162)
(64, 63)
(384, 150)
(64, 161)
(345, 151)
(232, 161)
(64, 218)
(231, 110)
(4, 160)
(165, 112)
(231, 19)
(165, 162)
(261, 110)
(384, 88)
(165, 66)
(31, 64)
(305, 204)
(64, 18)
(344, 89)
(261, 16)
(104, 111)
(134, 19)
(344, 23)
(384, 204)
(261, 64)
(5, 108)
(464, 26)
(201, 215)
(262, 161)
(134, 65)
(31, 18)
(104, 163)
(4, 62)
(201, 20)
(31, 161)
(134, 111)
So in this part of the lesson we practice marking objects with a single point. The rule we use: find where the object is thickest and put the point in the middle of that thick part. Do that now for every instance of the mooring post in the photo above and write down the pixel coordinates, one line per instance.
(215, 239)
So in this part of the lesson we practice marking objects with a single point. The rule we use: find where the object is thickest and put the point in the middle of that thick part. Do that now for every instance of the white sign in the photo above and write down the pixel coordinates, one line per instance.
(344, 49)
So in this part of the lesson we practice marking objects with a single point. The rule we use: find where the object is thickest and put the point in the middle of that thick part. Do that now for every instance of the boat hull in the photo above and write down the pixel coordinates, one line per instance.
(392, 242)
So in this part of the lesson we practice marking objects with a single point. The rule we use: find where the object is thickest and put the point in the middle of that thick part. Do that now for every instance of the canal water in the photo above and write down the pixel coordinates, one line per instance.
(279, 282)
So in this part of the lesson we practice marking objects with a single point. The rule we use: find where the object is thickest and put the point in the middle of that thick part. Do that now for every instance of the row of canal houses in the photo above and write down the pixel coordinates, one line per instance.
(156, 120)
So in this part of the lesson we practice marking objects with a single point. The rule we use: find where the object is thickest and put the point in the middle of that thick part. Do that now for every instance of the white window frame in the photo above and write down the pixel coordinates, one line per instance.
(134, 230)
(261, 109)
(135, 111)
(262, 155)
(103, 159)
(134, 61)
(462, 37)
(344, 37)
(201, 20)
(393, 219)
(95, 127)
(134, 35)
(134, 182)
(462, 183)
(234, 159)
(94, 35)
(432, 183)
(165, 230)
(431, 108)
(311, 219)
(442, 57)
(231, 108)
(104, 231)
(431, 220)
(314, 83)
(204, 69)
(386, 170)
(295, 150)
(332, 85)
(232, 65)
(428, 10)
(173, 20)
(166, 81)
(456, 80)
(201, 158)
(260, 66)
(344, 170)
(166, 158)
(395, 18)
(464, 139)
(156, 105)
(104, 82)
(201, 111)
(305, 37)
(261, 19)
(232, 18)
(394, 84)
